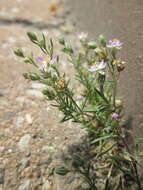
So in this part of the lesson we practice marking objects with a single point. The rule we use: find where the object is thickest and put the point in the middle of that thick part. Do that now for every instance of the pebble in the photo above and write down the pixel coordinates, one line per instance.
(19, 1)
(11, 39)
(35, 93)
(38, 85)
(46, 185)
(25, 186)
(47, 148)
(29, 118)
(23, 144)
(25, 162)
(9, 150)
(19, 121)
(14, 10)
(20, 100)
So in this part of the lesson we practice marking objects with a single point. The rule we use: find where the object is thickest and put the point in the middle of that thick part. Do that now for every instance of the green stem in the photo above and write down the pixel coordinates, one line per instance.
(74, 102)
(114, 93)
(115, 85)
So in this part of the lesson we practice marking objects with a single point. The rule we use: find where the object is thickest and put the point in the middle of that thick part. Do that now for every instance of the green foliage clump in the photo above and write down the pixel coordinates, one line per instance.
(100, 111)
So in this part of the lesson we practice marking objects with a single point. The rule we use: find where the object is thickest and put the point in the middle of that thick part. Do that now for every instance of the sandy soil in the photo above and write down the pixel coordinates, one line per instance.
(31, 138)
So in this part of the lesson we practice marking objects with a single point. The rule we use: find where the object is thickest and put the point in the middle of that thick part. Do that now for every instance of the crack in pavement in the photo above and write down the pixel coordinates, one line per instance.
(28, 23)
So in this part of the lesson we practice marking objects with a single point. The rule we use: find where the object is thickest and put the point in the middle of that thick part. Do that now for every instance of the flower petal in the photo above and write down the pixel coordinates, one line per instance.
(54, 59)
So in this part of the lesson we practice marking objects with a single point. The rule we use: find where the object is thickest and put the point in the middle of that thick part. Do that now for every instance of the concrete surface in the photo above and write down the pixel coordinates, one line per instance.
(121, 19)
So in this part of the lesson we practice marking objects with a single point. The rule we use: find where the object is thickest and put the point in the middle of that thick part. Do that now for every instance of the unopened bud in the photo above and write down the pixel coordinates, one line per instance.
(118, 103)
(31, 76)
(18, 52)
(32, 36)
(120, 67)
(27, 60)
(92, 45)
(119, 64)
(62, 41)
(102, 40)
(101, 53)
(68, 50)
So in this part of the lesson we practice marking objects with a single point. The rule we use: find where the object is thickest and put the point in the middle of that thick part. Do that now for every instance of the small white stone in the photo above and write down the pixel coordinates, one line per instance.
(19, 121)
(38, 85)
(46, 185)
(29, 118)
(5, 45)
(25, 186)
(35, 93)
(10, 150)
(24, 142)
(14, 10)
(20, 100)
(47, 148)
(25, 162)
(48, 108)
(11, 39)
(19, 1)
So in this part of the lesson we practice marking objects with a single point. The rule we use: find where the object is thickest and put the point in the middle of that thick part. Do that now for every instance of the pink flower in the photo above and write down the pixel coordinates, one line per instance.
(43, 59)
(98, 66)
(115, 116)
(115, 43)
(54, 60)
(40, 59)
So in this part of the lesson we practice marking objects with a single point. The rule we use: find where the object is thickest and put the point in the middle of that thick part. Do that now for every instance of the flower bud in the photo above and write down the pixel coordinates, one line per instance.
(31, 76)
(68, 50)
(102, 40)
(32, 36)
(120, 67)
(118, 103)
(34, 76)
(61, 84)
(45, 91)
(25, 75)
(92, 45)
(18, 52)
(119, 64)
(28, 60)
(62, 41)
(98, 50)
(101, 53)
